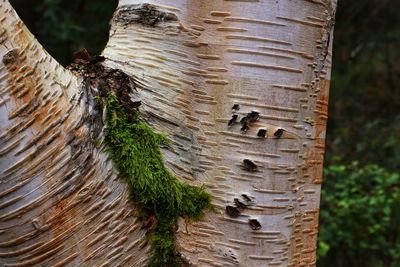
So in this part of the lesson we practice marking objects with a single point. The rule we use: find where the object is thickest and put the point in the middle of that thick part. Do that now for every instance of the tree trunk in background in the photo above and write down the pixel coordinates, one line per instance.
(200, 64)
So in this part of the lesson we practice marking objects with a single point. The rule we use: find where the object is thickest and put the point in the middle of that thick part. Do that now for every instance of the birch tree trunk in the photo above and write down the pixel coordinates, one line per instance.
(241, 89)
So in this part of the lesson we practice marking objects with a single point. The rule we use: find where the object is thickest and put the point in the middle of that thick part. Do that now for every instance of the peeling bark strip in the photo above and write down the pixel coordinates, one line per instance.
(145, 14)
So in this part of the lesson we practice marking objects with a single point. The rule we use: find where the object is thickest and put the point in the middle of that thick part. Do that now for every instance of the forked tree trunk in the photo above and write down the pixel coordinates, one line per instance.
(200, 63)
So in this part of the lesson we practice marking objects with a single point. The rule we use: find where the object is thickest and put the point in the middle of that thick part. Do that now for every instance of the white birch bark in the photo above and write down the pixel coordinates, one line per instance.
(62, 202)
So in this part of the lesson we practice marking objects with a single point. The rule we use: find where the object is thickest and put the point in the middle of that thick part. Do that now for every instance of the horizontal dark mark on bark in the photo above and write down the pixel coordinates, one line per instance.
(145, 14)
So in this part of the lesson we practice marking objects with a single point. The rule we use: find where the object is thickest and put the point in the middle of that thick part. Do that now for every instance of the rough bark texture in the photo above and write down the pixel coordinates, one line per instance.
(241, 89)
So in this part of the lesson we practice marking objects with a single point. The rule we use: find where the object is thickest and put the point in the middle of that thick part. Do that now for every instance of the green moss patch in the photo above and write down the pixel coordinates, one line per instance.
(135, 149)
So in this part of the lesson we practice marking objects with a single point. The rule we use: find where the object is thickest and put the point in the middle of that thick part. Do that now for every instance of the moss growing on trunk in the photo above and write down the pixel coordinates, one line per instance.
(135, 149)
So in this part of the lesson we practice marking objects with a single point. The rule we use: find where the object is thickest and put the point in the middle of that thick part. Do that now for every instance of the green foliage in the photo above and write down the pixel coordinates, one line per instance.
(135, 150)
(360, 217)
(365, 98)
(360, 203)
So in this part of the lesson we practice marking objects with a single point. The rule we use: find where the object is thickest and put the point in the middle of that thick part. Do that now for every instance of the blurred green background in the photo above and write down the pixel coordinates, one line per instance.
(360, 205)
